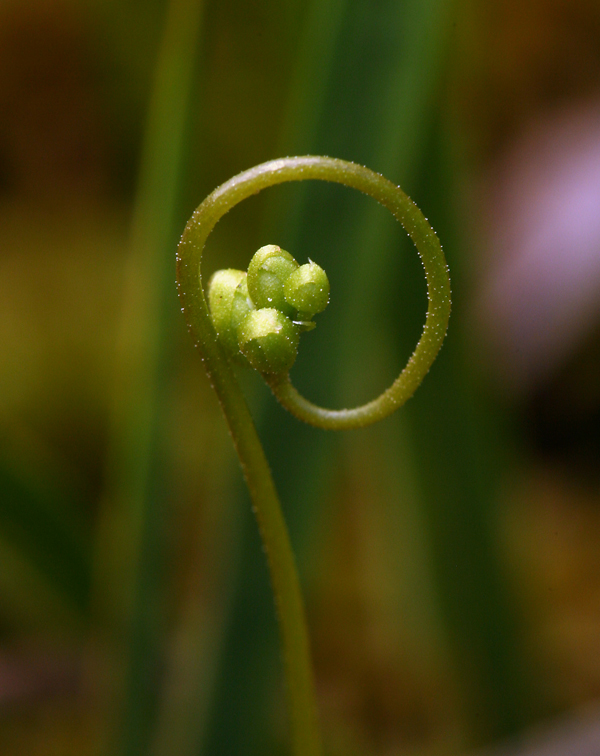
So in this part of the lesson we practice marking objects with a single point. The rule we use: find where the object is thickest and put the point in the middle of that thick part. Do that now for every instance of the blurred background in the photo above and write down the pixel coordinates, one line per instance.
(450, 556)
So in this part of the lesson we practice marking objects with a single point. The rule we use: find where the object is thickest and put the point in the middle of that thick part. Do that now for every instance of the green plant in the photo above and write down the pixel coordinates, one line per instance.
(233, 330)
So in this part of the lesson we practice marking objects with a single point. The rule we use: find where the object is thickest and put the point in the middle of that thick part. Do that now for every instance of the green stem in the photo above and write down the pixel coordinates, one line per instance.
(254, 464)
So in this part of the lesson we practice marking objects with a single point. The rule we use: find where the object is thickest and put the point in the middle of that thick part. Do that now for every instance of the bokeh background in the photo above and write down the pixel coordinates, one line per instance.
(450, 556)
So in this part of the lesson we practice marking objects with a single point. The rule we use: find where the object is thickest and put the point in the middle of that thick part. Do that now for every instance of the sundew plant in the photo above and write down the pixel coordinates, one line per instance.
(256, 318)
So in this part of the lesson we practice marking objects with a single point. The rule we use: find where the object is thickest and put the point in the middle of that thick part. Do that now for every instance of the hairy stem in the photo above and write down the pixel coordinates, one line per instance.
(254, 464)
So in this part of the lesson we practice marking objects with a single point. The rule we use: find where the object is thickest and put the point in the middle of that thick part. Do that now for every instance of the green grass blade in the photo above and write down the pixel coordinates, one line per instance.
(131, 538)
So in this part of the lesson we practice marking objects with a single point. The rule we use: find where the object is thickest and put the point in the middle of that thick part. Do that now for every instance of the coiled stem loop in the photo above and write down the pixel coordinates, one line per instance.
(217, 356)
(387, 194)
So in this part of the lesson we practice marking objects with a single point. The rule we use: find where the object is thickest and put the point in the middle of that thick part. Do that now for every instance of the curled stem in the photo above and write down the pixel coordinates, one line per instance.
(402, 208)
(254, 464)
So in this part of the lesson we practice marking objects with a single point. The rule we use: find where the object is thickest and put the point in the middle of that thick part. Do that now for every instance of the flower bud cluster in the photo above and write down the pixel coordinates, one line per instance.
(259, 315)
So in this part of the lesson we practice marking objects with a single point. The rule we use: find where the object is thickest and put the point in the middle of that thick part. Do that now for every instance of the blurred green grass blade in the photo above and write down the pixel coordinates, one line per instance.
(462, 447)
(131, 541)
(477, 618)
(459, 477)
(401, 103)
(404, 110)
(195, 648)
(308, 91)
(311, 76)
(250, 673)
(406, 101)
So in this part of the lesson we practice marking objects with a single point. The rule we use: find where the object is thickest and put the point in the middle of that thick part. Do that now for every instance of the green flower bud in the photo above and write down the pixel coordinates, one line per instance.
(241, 305)
(268, 271)
(307, 290)
(229, 304)
(269, 340)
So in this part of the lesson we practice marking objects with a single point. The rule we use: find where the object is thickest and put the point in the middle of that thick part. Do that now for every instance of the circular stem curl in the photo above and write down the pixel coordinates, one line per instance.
(393, 199)
(286, 586)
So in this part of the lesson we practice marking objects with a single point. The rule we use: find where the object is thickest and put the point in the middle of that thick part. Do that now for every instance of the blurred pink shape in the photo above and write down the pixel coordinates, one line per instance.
(576, 734)
(541, 294)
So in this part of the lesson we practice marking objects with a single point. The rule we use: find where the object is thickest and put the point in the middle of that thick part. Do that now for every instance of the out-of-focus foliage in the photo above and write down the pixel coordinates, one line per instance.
(450, 555)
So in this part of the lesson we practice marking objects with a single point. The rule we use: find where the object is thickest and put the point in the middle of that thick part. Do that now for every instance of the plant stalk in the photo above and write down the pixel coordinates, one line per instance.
(266, 504)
